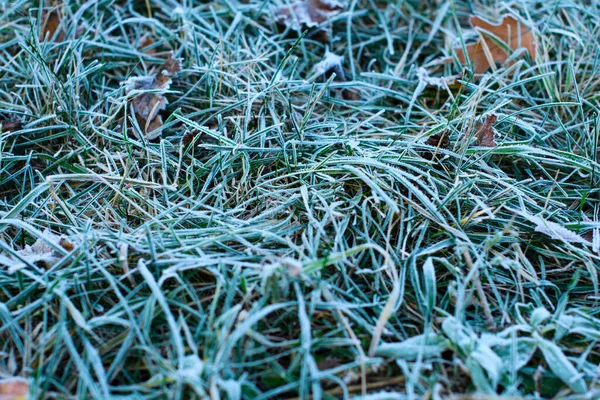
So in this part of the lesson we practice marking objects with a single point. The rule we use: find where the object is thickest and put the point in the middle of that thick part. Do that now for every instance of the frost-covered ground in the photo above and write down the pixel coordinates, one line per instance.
(288, 233)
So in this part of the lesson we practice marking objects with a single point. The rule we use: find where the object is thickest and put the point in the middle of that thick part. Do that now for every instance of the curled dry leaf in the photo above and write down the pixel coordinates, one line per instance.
(151, 100)
(307, 13)
(496, 42)
(484, 136)
(14, 389)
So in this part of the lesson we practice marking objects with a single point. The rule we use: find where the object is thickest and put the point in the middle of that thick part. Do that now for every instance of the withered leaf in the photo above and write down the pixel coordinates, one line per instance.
(145, 42)
(430, 81)
(350, 94)
(331, 64)
(496, 42)
(148, 104)
(14, 389)
(50, 24)
(40, 253)
(440, 140)
(11, 125)
(188, 137)
(308, 13)
(484, 136)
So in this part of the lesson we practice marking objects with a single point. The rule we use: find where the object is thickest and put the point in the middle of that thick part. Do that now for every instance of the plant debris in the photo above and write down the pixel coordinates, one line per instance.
(430, 81)
(496, 42)
(332, 63)
(553, 230)
(11, 125)
(309, 13)
(440, 140)
(50, 24)
(484, 136)
(40, 253)
(148, 104)
(145, 44)
(15, 388)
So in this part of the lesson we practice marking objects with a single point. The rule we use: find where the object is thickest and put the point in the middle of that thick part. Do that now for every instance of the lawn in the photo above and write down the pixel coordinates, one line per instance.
(230, 199)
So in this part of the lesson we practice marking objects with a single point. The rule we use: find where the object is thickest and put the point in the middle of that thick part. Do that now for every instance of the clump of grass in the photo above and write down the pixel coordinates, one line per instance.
(280, 241)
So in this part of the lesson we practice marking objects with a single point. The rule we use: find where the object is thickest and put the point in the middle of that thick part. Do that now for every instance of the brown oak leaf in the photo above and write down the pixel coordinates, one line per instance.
(496, 42)
(151, 100)
(484, 136)
(14, 389)
(308, 13)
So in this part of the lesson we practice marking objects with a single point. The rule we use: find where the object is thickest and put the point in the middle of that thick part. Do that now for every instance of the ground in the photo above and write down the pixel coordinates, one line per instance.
(287, 233)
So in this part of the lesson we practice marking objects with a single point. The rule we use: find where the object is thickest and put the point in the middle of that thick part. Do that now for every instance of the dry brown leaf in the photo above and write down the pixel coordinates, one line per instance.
(148, 104)
(147, 41)
(14, 389)
(487, 50)
(351, 95)
(188, 137)
(50, 24)
(484, 136)
(440, 140)
(11, 125)
(308, 13)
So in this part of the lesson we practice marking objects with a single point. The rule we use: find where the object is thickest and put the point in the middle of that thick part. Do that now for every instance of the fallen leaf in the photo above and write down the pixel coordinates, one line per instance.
(439, 140)
(145, 42)
(14, 389)
(308, 13)
(50, 24)
(592, 236)
(40, 253)
(431, 81)
(332, 63)
(496, 42)
(349, 94)
(553, 229)
(151, 100)
(328, 362)
(11, 125)
(484, 136)
(189, 137)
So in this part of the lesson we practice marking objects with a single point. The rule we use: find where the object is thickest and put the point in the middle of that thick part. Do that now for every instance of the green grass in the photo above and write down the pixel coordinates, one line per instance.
(305, 246)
